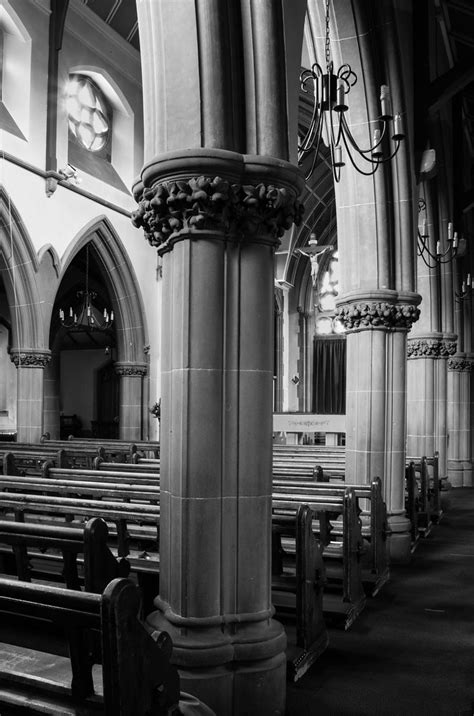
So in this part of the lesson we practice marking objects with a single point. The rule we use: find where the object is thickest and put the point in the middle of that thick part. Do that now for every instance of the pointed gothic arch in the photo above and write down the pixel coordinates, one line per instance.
(121, 282)
(18, 271)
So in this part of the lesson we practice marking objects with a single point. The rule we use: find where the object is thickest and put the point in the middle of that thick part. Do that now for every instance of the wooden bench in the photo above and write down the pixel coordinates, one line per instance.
(375, 564)
(298, 578)
(30, 543)
(430, 486)
(124, 516)
(32, 501)
(117, 448)
(29, 457)
(344, 592)
(137, 678)
(135, 466)
(411, 502)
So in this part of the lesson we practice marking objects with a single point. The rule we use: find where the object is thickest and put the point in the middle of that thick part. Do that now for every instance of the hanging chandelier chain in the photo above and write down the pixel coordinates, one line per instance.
(327, 92)
(328, 42)
(87, 270)
(86, 316)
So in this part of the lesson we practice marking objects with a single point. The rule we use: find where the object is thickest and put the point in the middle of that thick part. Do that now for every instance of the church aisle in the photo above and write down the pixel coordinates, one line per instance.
(411, 652)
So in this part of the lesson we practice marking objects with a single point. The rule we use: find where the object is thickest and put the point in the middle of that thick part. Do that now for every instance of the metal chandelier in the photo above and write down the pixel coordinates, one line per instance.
(329, 90)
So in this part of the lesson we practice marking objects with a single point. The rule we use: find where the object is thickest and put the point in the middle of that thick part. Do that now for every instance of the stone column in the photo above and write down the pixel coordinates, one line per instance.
(130, 403)
(459, 406)
(216, 217)
(305, 371)
(30, 364)
(377, 324)
(52, 397)
(428, 395)
(279, 363)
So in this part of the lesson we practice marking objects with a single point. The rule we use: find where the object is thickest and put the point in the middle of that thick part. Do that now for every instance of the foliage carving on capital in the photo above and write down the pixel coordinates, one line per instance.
(377, 315)
(430, 348)
(459, 364)
(126, 369)
(214, 203)
(30, 359)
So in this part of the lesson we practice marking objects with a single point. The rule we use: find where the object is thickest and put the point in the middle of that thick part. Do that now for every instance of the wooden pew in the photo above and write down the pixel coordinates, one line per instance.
(30, 544)
(375, 564)
(117, 448)
(32, 501)
(298, 472)
(411, 502)
(344, 592)
(423, 496)
(123, 515)
(135, 466)
(30, 456)
(430, 485)
(130, 655)
(297, 589)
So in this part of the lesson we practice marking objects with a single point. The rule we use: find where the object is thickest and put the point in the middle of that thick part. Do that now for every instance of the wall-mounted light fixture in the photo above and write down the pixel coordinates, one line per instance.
(447, 248)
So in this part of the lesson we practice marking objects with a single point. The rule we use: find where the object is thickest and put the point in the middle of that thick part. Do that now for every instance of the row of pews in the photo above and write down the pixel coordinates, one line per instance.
(423, 486)
(69, 587)
(305, 471)
(328, 541)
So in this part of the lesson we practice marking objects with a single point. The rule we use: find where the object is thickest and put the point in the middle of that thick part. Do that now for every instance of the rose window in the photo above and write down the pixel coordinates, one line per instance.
(87, 113)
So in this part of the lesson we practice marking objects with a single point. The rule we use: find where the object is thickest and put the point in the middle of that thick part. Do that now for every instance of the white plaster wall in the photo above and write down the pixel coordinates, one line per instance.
(60, 219)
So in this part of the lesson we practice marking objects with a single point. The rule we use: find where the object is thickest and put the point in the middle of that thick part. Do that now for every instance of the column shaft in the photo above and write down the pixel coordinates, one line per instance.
(217, 234)
(131, 399)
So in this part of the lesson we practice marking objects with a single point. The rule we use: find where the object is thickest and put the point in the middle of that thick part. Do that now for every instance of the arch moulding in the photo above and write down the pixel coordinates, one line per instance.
(122, 286)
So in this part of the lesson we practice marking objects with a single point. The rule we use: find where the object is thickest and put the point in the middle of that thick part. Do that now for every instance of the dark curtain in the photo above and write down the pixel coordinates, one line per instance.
(329, 376)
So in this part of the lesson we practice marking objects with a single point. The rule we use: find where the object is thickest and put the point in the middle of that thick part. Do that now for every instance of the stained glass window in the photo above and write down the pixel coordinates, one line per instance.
(328, 290)
(88, 116)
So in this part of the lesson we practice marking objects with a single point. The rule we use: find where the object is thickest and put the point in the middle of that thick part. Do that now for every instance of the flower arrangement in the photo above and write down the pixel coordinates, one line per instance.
(155, 409)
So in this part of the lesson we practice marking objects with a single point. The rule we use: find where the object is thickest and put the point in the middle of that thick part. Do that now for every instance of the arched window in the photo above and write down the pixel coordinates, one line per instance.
(325, 306)
(89, 115)
(98, 133)
(15, 62)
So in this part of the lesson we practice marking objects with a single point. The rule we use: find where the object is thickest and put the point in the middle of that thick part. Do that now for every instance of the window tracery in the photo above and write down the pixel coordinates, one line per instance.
(328, 290)
(88, 115)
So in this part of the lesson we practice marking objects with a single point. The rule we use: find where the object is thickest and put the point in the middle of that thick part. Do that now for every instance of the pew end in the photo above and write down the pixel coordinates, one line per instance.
(297, 590)
(137, 677)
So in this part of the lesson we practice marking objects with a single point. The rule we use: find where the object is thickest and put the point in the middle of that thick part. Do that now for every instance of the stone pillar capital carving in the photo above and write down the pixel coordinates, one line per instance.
(130, 369)
(230, 195)
(30, 358)
(460, 364)
(381, 314)
(434, 347)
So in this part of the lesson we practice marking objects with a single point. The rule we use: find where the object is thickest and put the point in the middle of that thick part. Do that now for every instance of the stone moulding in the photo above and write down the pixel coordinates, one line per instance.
(126, 369)
(213, 203)
(232, 196)
(460, 364)
(377, 314)
(430, 348)
(30, 358)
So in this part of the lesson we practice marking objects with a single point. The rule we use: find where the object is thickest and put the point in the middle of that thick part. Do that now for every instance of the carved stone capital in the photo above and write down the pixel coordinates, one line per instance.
(130, 369)
(30, 358)
(237, 196)
(430, 348)
(377, 314)
(460, 364)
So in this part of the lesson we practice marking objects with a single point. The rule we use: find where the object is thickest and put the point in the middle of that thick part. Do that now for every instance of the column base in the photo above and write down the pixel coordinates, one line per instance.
(236, 669)
(460, 473)
(399, 539)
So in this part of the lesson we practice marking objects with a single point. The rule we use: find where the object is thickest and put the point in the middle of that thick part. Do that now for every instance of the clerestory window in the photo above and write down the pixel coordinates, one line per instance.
(89, 116)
